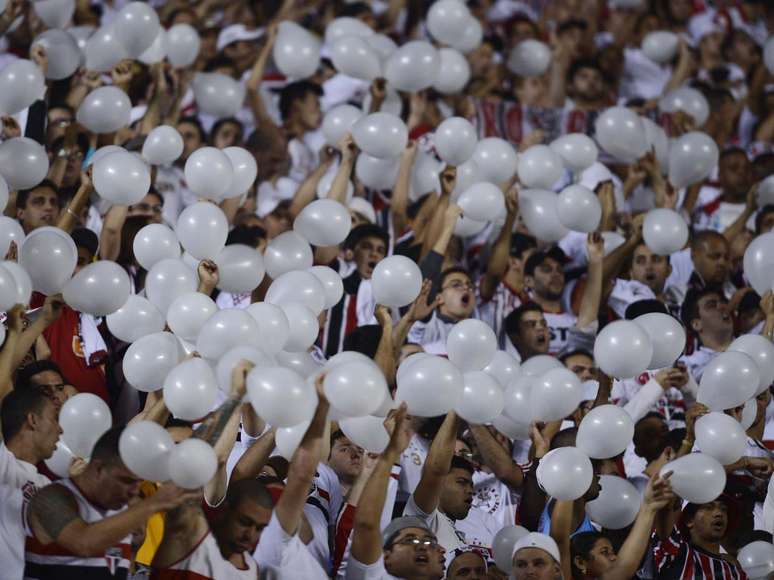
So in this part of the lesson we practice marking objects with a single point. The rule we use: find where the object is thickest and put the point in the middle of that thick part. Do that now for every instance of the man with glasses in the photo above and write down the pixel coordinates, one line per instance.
(151, 206)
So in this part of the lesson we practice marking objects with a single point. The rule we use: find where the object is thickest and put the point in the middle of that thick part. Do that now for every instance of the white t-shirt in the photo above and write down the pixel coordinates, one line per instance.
(321, 510)
(559, 325)
(494, 507)
(13, 502)
(17, 473)
(411, 461)
(358, 571)
(286, 555)
(449, 538)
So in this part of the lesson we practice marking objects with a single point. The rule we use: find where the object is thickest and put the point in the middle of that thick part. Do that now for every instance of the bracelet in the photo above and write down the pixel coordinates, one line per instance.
(72, 213)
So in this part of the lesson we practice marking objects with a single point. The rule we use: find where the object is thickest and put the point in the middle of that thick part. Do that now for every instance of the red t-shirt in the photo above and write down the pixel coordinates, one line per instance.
(67, 352)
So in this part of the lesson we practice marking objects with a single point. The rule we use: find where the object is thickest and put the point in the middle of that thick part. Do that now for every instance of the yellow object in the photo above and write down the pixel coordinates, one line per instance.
(154, 529)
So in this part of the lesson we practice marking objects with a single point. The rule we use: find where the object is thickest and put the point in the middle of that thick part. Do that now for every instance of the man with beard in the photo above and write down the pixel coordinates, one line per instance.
(734, 180)
(706, 313)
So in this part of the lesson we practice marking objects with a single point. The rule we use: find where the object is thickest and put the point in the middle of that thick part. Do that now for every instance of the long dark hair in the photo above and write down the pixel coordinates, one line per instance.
(581, 545)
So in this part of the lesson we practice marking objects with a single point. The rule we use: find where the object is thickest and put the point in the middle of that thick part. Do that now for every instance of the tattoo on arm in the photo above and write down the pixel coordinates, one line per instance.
(52, 510)
(212, 429)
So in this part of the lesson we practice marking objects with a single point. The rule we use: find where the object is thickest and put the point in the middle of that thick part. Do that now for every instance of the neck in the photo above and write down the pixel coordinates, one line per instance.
(715, 342)
(451, 317)
(712, 547)
(547, 304)
(733, 197)
(23, 451)
(294, 128)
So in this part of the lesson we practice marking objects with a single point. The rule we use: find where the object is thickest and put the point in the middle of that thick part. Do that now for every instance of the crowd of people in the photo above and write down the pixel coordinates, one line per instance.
(402, 303)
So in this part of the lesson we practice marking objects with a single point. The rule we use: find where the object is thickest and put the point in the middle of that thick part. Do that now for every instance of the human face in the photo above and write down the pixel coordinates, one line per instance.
(117, 486)
(480, 60)
(650, 269)
(228, 135)
(405, 559)
(346, 459)
(601, 558)
(241, 527)
(239, 50)
(191, 139)
(531, 90)
(367, 253)
(42, 209)
(276, 223)
(547, 281)
(651, 436)
(714, 317)
(54, 385)
(711, 260)
(467, 566)
(84, 259)
(534, 336)
(151, 206)
(709, 45)
(58, 120)
(308, 110)
(47, 429)
(709, 523)
(457, 296)
(767, 223)
(680, 10)
(582, 365)
(762, 402)
(588, 85)
(457, 494)
(534, 564)
(735, 175)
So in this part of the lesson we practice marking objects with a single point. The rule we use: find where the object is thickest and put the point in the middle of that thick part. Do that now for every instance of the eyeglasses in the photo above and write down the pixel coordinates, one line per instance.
(460, 285)
(148, 207)
(415, 542)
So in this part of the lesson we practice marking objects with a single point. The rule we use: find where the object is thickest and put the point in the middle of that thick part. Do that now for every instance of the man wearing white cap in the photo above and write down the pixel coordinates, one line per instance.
(536, 557)
(237, 42)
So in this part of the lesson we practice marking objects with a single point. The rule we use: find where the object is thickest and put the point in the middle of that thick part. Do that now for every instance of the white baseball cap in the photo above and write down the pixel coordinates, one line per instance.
(363, 207)
(235, 33)
(539, 541)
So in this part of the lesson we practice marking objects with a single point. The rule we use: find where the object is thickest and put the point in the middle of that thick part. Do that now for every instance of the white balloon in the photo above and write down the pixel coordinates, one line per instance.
(296, 52)
(376, 173)
(3, 193)
(280, 396)
(367, 432)
(664, 231)
(21, 280)
(224, 330)
(447, 20)
(721, 436)
(578, 151)
(667, 336)
(354, 57)
(105, 110)
(10, 231)
(338, 122)
(503, 367)
(23, 163)
(192, 463)
(768, 54)
(381, 135)
(660, 46)
(22, 84)
(301, 362)
(758, 263)
(749, 414)
(692, 157)
(228, 362)
(273, 326)
(122, 178)
(466, 227)
(303, 327)
(103, 50)
(54, 13)
(623, 349)
(430, 387)
(413, 67)
(696, 477)
(761, 350)
(539, 166)
(658, 141)
(346, 26)
(62, 51)
(8, 290)
(539, 364)
(471, 345)
(540, 213)
(383, 45)
(605, 432)
(208, 173)
(619, 131)
(324, 222)
(396, 281)
(188, 313)
(84, 418)
(482, 398)
(529, 58)
(331, 282)
(511, 428)
(240, 268)
(455, 140)
(325, 183)
(81, 34)
(408, 362)
(765, 191)
(502, 546)
(145, 448)
(287, 252)
(190, 389)
(49, 256)
(355, 388)
(136, 26)
(471, 37)
(555, 395)
(757, 558)
(468, 174)
(565, 473)
(156, 52)
(162, 146)
(168, 279)
(392, 103)
(688, 101)
(99, 289)
(217, 94)
(288, 439)
(59, 462)
(297, 287)
(453, 71)
(617, 505)
(202, 229)
(245, 171)
(728, 381)
(496, 159)
(153, 243)
(578, 209)
(149, 359)
(183, 45)
(482, 202)
(136, 318)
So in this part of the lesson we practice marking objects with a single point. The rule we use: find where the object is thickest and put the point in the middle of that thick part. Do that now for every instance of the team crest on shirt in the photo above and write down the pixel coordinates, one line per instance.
(113, 557)
(416, 459)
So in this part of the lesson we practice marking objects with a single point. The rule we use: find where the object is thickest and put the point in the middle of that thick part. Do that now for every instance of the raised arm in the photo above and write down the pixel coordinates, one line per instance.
(307, 191)
(15, 324)
(561, 529)
(110, 236)
(436, 221)
(367, 533)
(385, 351)
(257, 106)
(52, 309)
(592, 293)
(400, 193)
(498, 260)
(740, 224)
(439, 458)
(496, 457)
(253, 460)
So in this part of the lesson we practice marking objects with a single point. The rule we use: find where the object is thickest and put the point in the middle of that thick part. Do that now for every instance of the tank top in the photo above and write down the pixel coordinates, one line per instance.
(205, 562)
(54, 562)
